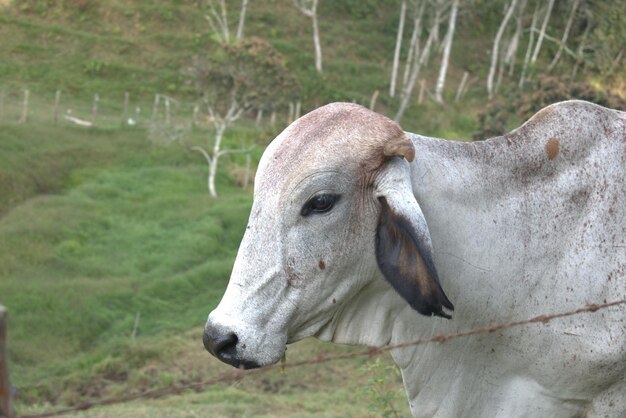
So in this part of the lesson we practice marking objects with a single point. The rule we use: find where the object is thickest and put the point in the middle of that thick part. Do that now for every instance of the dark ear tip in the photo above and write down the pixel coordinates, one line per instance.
(443, 315)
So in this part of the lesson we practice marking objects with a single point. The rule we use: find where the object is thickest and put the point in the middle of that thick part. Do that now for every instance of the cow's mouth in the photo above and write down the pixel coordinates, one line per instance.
(241, 363)
(224, 348)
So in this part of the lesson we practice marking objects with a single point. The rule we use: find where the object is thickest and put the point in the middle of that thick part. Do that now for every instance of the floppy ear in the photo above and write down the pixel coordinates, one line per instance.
(404, 249)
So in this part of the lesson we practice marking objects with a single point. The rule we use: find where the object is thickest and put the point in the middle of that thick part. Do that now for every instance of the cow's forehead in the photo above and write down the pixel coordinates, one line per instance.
(342, 136)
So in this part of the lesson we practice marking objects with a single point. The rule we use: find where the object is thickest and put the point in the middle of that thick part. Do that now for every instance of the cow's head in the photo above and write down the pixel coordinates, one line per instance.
(333, 211)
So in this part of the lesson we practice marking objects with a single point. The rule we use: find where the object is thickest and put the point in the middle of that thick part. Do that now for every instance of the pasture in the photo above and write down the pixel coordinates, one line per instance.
(101, 228)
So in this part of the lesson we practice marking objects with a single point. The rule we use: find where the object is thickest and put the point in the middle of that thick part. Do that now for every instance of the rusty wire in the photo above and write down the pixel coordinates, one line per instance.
(321, 358)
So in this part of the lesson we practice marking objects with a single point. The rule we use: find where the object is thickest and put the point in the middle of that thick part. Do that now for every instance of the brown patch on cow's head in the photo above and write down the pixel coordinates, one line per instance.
(344, 132)
(552, 148)
(322, 265)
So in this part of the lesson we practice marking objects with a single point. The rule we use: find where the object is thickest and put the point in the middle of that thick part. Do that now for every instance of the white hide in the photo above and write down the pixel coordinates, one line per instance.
(529, 223)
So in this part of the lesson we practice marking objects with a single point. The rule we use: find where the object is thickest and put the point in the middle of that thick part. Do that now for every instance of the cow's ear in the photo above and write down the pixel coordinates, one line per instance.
(404, 252)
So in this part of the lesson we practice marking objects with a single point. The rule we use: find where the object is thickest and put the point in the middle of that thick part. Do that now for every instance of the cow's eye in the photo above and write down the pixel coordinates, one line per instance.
(319, 204)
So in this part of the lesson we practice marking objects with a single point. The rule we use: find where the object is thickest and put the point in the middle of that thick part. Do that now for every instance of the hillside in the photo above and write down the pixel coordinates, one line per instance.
(85, 47)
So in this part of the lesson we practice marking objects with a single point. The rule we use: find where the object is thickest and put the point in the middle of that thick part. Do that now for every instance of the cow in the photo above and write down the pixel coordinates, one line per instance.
(361, 233)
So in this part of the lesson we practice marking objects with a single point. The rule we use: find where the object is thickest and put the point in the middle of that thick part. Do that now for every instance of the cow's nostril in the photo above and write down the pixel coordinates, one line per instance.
(222, 346)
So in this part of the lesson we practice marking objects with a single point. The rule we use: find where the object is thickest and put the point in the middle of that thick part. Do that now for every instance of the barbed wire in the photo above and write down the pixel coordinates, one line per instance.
(239, 374)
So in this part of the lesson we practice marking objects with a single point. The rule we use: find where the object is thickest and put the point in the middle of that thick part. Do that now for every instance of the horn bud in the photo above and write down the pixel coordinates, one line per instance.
(400, 147)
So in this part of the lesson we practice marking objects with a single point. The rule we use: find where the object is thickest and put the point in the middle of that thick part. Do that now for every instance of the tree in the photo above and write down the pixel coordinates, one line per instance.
(514, 44)
(446, 52)
(412, 58)
(221, 123)
(568, 26)
(496, 47)
(531, 39)
(309, 8)
(233, 79)
(242, 19)
(420, 55)
(542, 32)
(396, 53)
(218, 21)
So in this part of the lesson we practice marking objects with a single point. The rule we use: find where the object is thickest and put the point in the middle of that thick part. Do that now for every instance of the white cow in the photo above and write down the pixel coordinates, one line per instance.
(356, 225)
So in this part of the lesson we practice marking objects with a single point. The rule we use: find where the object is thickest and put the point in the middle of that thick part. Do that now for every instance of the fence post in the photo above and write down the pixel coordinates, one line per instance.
(167, 111)
(24, 116)
(420, 98)
(259, 116)
(137, 114)
(196, 111)
(125, 111)
(94, 109)
(298, 109)
(291, 112)
(57, 103)
(6, 404)
(155, 106)
(273, 118)
(373, 99)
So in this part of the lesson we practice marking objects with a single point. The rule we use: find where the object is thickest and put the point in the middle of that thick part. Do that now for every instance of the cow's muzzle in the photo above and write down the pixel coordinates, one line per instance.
(223, 345)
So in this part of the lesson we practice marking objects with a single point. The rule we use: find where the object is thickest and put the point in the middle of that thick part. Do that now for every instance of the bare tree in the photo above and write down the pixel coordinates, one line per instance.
(511, 52)
(309, 8)
(396, 54)
(542, 33)
(531, 39)
(446, 52)
(568, 26)
(242, 19)
(247, 75)
(220, 124)
(218, 20)
(423, 55)
(412, 57)
(496, 47)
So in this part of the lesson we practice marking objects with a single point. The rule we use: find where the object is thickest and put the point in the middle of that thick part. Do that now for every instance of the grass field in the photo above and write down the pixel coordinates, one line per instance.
(100, 228)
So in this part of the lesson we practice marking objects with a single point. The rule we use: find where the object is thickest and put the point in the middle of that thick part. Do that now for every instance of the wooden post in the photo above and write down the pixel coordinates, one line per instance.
(125, 109)
(420, 98)
(6, 401)
(24, 117)
(57, 103)
(290, 118)
(167, 110)
(373, 100)
(94, 108)
(196, 111)
(259, 117)
(298, 108)
(155, 107)
(273, 119)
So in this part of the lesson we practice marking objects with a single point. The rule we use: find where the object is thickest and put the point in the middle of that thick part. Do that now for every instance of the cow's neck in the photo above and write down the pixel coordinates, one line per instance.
(456, 184)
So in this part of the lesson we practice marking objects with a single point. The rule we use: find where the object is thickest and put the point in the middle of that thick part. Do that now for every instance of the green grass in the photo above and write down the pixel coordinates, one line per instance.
(103, 227)
(113, 226)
